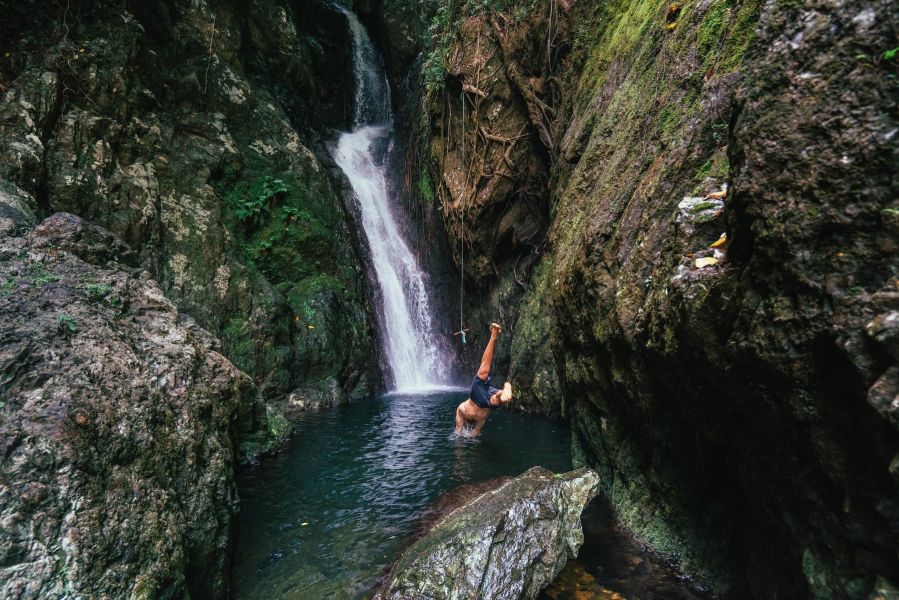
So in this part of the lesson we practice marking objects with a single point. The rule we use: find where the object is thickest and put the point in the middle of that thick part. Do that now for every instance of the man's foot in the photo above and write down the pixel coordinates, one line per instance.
(495, 329)
(507, 392)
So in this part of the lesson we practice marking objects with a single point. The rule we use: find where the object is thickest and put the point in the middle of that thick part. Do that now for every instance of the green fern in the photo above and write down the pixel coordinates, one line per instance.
(250, 205)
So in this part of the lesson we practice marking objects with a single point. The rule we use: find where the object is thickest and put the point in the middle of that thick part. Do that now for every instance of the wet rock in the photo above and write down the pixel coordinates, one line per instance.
(324, 395)
(17, 209)
(92, 244)
(119, 423)
(507, 543)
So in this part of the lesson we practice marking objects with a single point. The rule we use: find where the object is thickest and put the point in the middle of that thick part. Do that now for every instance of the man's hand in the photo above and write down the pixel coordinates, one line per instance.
(495, 329)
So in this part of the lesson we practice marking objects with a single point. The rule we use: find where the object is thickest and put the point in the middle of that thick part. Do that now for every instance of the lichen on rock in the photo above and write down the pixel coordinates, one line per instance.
(507, 543)
(119, 424)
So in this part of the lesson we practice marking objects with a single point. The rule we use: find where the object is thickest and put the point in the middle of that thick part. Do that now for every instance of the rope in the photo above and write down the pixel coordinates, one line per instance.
(462, 251)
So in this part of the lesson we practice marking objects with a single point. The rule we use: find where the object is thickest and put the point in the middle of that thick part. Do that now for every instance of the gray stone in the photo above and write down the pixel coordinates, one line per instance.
(118, 427)
(17, 209)
(505, 544)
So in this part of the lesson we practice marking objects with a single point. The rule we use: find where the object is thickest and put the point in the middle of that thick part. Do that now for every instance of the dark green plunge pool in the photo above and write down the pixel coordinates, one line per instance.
(327, 515)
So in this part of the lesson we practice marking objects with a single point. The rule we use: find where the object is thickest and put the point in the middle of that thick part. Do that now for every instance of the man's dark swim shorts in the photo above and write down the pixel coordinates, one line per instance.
(482, 392)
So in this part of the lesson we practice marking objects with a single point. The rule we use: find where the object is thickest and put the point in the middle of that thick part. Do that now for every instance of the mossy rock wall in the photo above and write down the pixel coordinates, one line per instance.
(195, 132)
(730, 409)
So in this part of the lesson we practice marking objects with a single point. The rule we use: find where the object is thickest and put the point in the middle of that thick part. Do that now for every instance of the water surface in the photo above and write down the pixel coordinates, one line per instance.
(358, 476)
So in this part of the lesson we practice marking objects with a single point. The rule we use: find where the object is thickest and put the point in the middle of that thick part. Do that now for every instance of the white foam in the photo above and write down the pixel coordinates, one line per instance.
(410, 344)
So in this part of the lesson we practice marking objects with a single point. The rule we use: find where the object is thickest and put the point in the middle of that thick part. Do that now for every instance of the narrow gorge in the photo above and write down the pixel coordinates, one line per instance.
(250, 253)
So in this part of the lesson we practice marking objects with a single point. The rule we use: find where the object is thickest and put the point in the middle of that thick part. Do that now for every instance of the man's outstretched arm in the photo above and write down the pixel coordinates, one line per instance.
(484, 369)
(502, 396)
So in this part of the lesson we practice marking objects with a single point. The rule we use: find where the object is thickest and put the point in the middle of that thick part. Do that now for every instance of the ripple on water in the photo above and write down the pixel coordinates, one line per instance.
(360, 475)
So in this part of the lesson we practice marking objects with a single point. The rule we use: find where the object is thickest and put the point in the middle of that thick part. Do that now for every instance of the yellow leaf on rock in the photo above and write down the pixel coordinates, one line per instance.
(708, 261)
(721, 241)
(310, 327)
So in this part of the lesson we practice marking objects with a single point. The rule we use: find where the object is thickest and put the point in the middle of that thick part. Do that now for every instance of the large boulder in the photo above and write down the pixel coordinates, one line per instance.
(509, 542)
(118, 427)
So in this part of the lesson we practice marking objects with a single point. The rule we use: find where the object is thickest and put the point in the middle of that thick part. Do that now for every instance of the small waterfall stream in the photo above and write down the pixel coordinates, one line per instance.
(411, 347)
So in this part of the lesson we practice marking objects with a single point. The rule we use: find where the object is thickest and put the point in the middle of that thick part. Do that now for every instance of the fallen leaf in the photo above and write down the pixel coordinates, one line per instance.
(708, 261)
(717, 195)
(721, 241)
(305, 523)
(310, 327)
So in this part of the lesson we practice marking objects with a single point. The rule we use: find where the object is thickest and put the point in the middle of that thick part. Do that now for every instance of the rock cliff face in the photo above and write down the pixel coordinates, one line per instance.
(733, 408)
(176, 149)
(507, 543)
(192, 131)
(119, 422)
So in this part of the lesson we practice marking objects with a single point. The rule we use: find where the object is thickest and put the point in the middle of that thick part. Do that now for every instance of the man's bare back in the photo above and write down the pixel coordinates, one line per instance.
(484, 397)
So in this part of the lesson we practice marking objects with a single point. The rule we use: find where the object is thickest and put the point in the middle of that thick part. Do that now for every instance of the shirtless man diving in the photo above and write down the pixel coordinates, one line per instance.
(483, 397)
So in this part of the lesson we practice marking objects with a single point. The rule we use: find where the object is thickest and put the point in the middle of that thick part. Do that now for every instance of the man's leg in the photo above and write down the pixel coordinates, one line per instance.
(484, 369)
(460, 421)
(479, 425)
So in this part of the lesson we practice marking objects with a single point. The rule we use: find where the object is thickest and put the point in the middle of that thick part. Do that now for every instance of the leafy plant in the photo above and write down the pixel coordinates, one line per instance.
(891, 53)
(433, 70)
(66, 324)
(250, 205)
(100, 292)
(40, 276)
(7, 287)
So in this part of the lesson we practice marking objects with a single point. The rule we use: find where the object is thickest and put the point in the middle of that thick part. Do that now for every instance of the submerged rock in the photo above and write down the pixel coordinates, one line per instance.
(507, 543)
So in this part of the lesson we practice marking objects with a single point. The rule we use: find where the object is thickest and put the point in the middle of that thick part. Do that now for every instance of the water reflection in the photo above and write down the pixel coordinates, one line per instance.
(357, 476)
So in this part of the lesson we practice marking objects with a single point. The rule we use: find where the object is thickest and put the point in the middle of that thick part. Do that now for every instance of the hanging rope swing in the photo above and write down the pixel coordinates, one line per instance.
(462, 329)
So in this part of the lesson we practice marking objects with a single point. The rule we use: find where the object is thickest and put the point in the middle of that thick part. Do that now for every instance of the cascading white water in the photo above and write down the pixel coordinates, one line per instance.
(410, 345)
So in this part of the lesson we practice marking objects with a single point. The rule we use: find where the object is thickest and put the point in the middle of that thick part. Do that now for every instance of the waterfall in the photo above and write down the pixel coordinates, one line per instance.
(409, 341)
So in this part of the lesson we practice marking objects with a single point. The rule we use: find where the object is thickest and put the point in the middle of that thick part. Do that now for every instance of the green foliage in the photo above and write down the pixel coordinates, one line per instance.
(249, 202)
(891, 53)
(719, 132)
(292, 244)
(717, 167)
(433, 70)
(97, 292)
(446, 22)
(582, 35)
(66, 325)
(725, 33)
(701, 206)
(242, 349)
(425, 187)
(40, 276)
(7, 287)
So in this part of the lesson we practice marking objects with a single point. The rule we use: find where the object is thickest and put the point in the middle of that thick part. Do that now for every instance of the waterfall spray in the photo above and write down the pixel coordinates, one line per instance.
(409, 341)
